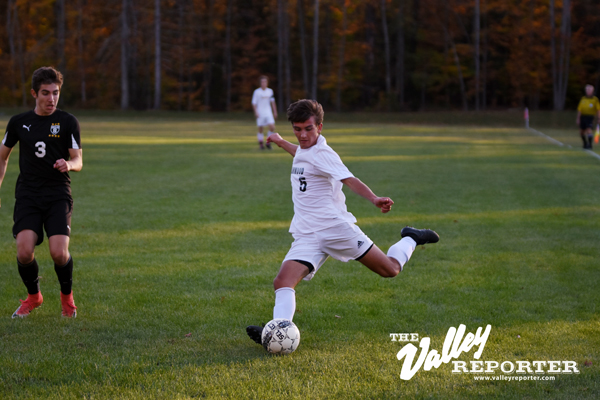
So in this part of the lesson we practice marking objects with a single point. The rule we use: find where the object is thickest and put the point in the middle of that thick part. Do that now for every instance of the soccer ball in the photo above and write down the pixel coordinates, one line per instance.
(280, 336)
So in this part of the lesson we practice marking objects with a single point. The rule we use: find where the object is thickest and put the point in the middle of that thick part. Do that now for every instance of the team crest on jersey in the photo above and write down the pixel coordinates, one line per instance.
(55, 128)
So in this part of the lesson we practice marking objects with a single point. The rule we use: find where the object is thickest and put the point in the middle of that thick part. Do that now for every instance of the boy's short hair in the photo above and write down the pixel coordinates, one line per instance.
(260, 78)
(45, 76)
(302, 110)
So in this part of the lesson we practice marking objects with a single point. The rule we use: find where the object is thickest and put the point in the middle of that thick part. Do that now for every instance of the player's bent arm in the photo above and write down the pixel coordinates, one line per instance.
(358, 187)
(75, 162)
(4, 154)
(284, 144)
(578, 117)
(274, 107)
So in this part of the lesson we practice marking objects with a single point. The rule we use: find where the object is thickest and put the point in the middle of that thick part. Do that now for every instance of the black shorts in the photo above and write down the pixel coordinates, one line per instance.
(35, 214)
(586, 122)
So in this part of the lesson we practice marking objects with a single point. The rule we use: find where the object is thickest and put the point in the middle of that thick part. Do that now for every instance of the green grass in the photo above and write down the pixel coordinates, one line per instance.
(180, 225)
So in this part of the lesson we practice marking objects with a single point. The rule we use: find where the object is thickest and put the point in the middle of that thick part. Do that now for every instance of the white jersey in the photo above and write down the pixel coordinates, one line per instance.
(319, 202)
(262, 99)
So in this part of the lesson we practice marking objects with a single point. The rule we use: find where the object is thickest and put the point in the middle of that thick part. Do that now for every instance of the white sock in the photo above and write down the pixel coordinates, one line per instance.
(270, 133)
(285, 303)
(402, 250)
(260, 137)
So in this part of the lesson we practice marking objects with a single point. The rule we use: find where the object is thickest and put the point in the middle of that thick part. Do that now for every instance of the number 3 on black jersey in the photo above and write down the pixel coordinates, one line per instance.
(303, 184)
(41, 149)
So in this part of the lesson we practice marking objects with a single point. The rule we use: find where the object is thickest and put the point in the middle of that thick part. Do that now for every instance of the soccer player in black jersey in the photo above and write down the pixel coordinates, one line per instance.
(49, 147)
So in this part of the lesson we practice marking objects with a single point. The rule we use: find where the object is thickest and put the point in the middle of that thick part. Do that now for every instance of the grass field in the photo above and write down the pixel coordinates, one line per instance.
(180, 225)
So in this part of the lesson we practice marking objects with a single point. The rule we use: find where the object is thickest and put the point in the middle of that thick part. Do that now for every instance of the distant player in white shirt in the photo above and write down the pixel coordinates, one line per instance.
(265, 110)
(322, 226)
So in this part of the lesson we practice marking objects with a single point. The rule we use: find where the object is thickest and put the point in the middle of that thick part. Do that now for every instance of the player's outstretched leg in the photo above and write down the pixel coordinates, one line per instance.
(390, 265)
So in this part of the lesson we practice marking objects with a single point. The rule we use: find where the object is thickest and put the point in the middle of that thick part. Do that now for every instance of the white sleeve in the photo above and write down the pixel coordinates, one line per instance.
(254, 98)
(330, 164)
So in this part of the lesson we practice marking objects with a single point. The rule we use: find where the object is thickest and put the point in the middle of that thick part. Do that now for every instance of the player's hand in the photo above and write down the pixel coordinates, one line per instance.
(577, 121)
(384, 203)
(274, 138)
(62, 165)
(256, 114)
(275, 115)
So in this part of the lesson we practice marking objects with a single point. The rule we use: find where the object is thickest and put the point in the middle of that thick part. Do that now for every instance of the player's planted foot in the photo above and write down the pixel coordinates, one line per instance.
(33, 301)
(421, 236)
(255, 333)
(68, 305)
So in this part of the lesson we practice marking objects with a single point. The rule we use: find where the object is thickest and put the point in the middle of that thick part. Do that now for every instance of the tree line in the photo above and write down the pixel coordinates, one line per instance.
(384, 55)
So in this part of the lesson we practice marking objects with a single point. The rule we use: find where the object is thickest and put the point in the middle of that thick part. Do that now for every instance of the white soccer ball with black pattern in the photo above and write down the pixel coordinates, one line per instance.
(280, 336)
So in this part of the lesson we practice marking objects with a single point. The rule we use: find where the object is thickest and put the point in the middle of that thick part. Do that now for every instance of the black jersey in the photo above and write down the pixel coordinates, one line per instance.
(42, 141)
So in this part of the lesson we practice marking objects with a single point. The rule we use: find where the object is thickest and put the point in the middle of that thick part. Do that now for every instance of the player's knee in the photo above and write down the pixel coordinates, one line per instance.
(389, 273)
(284, 281)
(25, 255)
(391, 269)
(60, 256)
(279, 282)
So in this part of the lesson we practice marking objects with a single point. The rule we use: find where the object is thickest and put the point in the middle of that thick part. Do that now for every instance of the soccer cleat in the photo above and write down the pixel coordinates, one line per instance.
(421, 236)
(269, 146)
(68, 305)
(33, 301)
(255, 333)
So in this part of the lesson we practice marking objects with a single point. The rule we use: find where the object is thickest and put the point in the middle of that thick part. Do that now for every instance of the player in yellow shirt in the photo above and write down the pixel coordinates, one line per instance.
(588, 108)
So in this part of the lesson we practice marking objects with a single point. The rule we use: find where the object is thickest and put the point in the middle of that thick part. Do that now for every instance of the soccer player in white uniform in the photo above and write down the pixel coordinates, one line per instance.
(322, 226)
(265, 110)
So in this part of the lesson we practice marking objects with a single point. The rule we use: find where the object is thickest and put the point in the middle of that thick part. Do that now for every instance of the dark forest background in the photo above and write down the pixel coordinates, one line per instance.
(374, 55)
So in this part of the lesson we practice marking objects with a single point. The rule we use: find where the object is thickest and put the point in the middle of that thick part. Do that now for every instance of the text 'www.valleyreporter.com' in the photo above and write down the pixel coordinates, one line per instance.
(509, 378)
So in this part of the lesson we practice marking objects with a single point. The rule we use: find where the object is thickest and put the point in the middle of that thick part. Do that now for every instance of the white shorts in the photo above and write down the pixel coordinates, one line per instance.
(266, 120)
(343, 242)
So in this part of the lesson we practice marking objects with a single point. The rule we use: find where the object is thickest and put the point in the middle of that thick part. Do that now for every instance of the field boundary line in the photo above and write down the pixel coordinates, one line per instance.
(551, 139)
(546, 136)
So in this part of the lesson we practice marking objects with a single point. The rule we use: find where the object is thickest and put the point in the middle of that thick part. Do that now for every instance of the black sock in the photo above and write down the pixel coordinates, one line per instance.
(585, 141)
(65, 276)
(29, 275)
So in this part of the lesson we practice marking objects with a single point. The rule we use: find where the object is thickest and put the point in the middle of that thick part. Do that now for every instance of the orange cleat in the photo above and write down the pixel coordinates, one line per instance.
(68, 305)
(33, 301)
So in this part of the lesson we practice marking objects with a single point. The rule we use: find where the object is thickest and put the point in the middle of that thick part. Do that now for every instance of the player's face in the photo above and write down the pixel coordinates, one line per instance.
(46, 98)
(589, 91)
(263, 84)
(307, 132)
